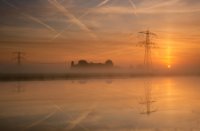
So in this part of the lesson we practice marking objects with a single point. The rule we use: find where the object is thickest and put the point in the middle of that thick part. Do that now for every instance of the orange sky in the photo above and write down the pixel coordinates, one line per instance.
(65, 30)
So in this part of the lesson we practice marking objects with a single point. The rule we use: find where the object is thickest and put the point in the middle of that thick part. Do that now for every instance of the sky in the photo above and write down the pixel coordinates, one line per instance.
(58, 31)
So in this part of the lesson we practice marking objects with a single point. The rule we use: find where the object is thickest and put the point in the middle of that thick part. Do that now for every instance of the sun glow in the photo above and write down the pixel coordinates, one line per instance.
(168, 55)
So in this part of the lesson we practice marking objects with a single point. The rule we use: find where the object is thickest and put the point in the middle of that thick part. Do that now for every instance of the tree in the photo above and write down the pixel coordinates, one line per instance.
(82, 63)
(109, 63)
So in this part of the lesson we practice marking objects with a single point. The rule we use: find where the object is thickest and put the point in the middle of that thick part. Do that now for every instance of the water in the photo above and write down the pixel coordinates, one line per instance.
(164, 103)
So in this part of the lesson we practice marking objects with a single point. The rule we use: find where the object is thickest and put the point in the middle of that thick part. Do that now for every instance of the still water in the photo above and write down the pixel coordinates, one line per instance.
(159, 103)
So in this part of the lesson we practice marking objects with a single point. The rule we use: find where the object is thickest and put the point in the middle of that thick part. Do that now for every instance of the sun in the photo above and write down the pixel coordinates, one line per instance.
(168, 66)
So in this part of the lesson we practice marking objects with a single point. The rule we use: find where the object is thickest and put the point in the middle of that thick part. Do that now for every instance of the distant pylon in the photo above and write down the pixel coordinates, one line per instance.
(148, 45)
(19, 56)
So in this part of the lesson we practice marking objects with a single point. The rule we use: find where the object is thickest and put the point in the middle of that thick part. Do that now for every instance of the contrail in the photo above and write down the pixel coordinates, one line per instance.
(84, 115)
(72, 18)
(29, 16)
(99, 5)
(62, 1)
(39, 21)
(75, 122)
(57, 35)
(163, 4)
(41, 120)
(83, 15)
(134, 6)
(103, 3)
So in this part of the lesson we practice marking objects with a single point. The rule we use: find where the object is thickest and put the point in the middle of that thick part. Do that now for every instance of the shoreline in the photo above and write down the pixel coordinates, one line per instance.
(71, 76)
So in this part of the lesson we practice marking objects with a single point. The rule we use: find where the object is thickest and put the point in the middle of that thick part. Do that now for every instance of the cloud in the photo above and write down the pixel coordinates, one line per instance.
(30, 17)
(72, 18)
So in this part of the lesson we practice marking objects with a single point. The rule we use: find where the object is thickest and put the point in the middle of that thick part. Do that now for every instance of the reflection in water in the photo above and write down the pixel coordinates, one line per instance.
(97, 105)
(39, 121)
(76, 121)
(19, 88)
(82, 81)
(148, 100)
(109, 81)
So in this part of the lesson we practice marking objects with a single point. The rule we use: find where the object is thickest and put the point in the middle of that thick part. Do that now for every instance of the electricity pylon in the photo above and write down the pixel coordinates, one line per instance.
(19, 56)
(148, 100)
(148, 45)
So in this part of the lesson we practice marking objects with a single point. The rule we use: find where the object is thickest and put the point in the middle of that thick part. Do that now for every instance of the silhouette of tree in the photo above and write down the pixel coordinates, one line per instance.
(82, 63)
(72, 64)
(109, 63)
